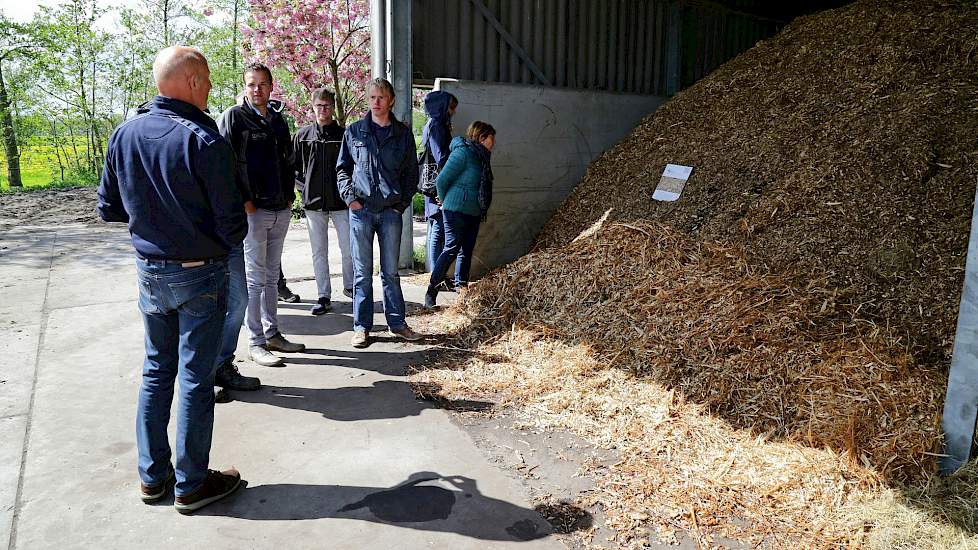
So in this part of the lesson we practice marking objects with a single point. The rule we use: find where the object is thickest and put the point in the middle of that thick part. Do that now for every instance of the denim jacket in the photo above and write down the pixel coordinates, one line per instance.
(378, 175)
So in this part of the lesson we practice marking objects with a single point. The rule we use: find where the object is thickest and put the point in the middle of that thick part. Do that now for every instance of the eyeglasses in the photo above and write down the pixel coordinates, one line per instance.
(326, 106)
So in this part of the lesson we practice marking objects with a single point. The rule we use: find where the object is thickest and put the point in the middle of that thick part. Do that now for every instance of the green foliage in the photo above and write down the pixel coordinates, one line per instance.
(418, 257)
(417, 205)
(297, 212)
(418, 119)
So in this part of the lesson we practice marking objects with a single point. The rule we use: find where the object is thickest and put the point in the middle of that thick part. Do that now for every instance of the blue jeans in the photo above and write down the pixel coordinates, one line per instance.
(461, 231)
(386, 224)
(237, 305)
(436, 243)
(436, 240)
(183, 313)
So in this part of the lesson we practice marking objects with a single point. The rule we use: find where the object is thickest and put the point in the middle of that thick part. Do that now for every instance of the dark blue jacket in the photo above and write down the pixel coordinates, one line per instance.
(263, 148)
(378, 175)
(438, 133)
(170, 175)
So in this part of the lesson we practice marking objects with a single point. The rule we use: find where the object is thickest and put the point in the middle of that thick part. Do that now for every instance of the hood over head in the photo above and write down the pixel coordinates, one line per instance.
(436, 105)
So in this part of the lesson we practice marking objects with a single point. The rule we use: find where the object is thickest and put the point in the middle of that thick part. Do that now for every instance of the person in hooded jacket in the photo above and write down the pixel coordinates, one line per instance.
(316, 148)
(436, 137)
(465, 192)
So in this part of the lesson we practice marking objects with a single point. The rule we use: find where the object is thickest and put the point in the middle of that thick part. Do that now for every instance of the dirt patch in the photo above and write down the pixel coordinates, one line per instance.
(52, 206)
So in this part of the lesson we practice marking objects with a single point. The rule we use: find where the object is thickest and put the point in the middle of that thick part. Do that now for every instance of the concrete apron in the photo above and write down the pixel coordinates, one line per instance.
(335, 438)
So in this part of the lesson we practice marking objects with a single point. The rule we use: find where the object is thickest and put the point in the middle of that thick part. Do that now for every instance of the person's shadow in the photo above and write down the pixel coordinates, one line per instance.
(426, 501)
(383, 399)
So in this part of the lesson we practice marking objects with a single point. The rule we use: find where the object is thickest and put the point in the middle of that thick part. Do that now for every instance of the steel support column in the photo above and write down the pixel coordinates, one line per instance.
(961, 403)
(399, 73)
(390, 43)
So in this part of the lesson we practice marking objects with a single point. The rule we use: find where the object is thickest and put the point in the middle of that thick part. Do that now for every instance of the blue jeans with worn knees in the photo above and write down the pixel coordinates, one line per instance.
(461, 231)
(386, 225)
(237, 305)
(183, 312)
(436, 240)
(436, 243)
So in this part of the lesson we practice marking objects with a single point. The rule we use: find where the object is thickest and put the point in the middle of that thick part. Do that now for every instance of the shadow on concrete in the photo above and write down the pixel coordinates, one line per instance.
(88, 246)
(296, 320)
(425, 501)
(388, 363)
(383, 399)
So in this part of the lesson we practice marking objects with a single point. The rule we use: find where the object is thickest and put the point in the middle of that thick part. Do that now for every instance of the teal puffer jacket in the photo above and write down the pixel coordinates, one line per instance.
(458, 181)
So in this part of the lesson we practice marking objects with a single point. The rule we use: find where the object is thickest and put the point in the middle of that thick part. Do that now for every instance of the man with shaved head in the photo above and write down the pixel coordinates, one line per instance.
(170, 175)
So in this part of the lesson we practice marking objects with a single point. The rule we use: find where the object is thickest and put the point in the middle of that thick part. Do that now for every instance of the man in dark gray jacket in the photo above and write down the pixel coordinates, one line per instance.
(316, 148)
(263, 148)
(377, 173)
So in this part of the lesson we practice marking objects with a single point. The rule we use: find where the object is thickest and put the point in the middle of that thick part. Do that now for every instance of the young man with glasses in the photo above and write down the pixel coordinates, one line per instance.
(316, 148)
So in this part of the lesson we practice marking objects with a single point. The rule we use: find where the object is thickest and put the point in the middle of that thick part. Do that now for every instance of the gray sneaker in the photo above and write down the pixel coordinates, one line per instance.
(265, 358)
(406, 333)
(360, 338)
(279, 343)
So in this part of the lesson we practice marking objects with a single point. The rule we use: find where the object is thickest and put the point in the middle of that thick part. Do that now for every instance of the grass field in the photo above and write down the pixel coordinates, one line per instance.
(39, 162)
(39, 166)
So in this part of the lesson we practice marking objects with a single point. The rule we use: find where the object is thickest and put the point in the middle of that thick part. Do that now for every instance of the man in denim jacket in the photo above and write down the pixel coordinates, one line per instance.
(377, 175)
(170, 175)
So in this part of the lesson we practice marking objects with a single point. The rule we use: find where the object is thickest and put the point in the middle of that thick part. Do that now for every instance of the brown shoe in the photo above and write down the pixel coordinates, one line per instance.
(216, 486)
(406, 333)
(153, 493)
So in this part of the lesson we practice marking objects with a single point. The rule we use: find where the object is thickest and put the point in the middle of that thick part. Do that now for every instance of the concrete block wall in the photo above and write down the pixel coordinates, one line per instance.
(546, 138)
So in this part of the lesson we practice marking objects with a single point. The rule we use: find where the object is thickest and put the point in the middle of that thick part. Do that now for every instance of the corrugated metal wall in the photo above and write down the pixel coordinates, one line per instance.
(635, 46)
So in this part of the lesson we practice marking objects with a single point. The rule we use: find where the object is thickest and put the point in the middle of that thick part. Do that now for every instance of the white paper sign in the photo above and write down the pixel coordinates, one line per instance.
(673, 182)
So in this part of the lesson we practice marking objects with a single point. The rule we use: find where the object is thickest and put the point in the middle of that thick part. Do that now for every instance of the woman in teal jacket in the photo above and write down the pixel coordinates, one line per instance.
(465, 191)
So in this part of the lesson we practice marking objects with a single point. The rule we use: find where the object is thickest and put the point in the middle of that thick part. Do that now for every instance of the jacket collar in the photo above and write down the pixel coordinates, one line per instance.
(367, 120)
(168, 105)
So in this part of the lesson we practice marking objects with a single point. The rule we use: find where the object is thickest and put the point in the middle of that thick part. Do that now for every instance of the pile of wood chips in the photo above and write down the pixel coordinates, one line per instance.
(847, 145)
(770, 351)
(747, 405)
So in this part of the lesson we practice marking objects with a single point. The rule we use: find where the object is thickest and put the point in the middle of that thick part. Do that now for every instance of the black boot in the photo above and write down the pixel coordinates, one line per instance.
(322, 306)
(228, 377)
(430, 297)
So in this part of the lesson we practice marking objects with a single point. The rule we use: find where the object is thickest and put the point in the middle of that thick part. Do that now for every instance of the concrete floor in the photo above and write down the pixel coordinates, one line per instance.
(336, 451)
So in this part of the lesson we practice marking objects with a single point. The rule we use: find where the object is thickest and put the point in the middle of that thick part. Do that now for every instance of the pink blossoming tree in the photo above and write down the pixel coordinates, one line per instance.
(318, 43)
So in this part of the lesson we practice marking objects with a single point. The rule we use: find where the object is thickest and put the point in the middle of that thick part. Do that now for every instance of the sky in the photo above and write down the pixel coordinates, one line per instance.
(23, 10)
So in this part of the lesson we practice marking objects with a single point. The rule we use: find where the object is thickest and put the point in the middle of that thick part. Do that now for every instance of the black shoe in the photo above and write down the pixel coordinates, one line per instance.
(321, 307)
(228, 377)
(430, 297)
(287, 296)
(446, 286)
(348, 292)
(221, 395)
